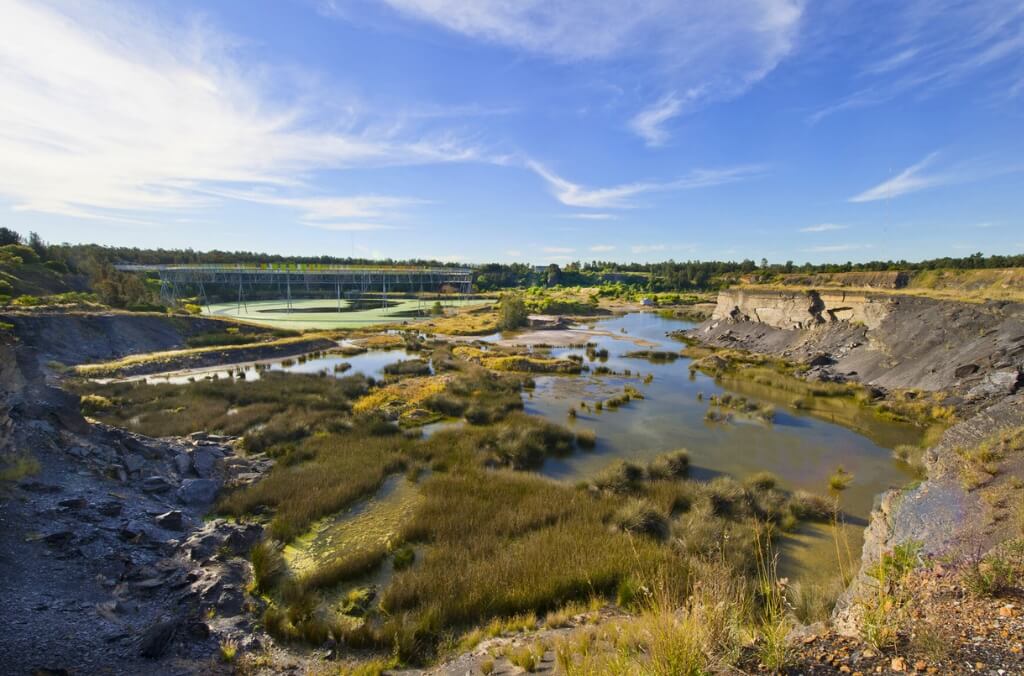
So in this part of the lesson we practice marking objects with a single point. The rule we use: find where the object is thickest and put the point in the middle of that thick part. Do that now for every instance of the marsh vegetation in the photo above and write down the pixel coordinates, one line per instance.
(651, 534)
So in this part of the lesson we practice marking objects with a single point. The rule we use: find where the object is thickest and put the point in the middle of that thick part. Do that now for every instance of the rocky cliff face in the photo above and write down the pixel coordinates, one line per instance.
(105, 560)
(77, 338)
(973, 350)
(801, 309)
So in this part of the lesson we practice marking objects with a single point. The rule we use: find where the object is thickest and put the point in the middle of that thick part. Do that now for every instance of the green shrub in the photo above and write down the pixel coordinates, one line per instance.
(512, 313)
(404, 557)
(27, 300)
(25, 253)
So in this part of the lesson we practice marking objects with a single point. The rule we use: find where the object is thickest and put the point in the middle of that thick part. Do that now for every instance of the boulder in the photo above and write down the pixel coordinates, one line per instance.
(74, 503)
(109, 508)
(242, 538)
(183, 463)
(821, 359)
(965, 370)
(198, 491)
(58, 538)
(204, 461)
(156, 484)
(172, 520)
(996, 384)
(157, 638)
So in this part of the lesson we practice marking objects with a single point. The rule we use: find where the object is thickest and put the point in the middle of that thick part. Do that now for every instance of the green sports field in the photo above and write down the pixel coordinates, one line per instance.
(323, 313)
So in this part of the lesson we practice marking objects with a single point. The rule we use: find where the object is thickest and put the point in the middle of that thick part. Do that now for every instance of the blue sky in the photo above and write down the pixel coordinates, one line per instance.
(518, 131)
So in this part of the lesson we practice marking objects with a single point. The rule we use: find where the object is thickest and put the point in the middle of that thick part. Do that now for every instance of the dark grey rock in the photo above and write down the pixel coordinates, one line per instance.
(199, 631)
(132, 530)
(74, 503)
(133, 463)
(183, 463)
(204, 462)
(243, 538)
(33, 486)
(198, 491)
(80, 452)
(821, 359)
(58, 538)
(156, 484)
(172, 520)
(109, 508)
(157, 638)
(230, 601)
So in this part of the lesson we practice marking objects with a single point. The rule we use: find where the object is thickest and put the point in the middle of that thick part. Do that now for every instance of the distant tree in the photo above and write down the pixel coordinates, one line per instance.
(512, 312)
(8, 236)
(554, 275)
(764, 263)
(38, 245)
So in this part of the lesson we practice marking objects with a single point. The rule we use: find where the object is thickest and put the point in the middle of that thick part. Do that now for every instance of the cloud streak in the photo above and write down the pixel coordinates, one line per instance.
(712, 50)
(911, 179)
(621, 196)
(649, 123)
(928, 46)
(128, 117)
(823, 227)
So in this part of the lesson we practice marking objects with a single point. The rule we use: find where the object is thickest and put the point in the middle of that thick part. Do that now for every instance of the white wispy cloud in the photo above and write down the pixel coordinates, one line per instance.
(911, 179)
(649, 123)
(927, 46)
(823, 227)
(591, 216)
(558, 250)
(602, 248)
(620, 196)
(715, 49)
(647, 248)
(513, 253)
(921, 176)
(350, 226)
(121, 115)
(835, 248)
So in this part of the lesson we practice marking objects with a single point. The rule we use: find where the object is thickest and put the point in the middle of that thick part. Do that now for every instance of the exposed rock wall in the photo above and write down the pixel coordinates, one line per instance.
(973, 350)
(801, 309)
(77, 338)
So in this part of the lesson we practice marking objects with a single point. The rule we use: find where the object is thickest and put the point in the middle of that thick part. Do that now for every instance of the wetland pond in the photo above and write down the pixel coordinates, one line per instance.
(801, 446)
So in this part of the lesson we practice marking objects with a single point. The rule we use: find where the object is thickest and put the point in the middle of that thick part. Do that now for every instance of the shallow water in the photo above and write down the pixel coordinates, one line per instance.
(370, 363)
(801, 447)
